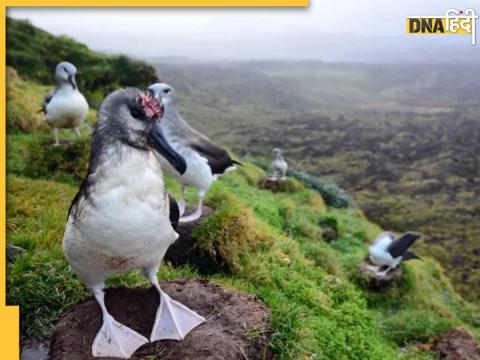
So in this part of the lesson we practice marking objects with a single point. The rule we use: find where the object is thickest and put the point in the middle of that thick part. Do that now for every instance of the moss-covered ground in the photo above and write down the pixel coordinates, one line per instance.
(271, 245)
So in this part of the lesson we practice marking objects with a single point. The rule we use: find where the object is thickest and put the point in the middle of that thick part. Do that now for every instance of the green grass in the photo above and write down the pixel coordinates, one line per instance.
(270, 245)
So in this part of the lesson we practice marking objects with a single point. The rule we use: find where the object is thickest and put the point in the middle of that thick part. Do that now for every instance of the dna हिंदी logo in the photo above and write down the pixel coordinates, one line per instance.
(454, 22)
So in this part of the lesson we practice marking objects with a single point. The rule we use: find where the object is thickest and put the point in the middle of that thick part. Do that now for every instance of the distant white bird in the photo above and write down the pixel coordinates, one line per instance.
(65, 106)
(205, 160)
(387, 250)
(121, 218)
(279, 165)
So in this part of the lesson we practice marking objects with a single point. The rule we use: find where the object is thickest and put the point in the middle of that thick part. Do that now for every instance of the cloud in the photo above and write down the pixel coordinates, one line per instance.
(208, 32)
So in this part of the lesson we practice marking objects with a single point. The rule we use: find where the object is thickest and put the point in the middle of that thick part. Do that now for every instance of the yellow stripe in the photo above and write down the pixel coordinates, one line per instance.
(166, 3)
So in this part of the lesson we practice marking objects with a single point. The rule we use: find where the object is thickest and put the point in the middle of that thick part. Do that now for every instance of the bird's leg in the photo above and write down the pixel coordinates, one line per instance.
(383, 273)
(373, 268)
(196, 215)
(55, 134)
(181, 202)
(77, 133)
(276, 175)
(173, 320)
(114, 339)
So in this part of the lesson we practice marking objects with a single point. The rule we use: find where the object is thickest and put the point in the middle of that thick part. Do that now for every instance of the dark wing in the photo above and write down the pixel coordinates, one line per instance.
(409, 255)
(174, 211)
(218, 159)
(46, 100)
(400, 245)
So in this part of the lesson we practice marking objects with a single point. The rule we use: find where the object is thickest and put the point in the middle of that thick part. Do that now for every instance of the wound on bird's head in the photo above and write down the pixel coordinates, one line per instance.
(150, 105)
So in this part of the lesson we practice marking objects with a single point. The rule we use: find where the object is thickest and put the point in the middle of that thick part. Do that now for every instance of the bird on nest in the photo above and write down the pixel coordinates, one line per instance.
(388, 250)
(121, 217)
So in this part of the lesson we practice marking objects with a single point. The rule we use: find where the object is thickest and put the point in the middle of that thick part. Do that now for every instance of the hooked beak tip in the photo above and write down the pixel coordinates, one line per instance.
(71, 80)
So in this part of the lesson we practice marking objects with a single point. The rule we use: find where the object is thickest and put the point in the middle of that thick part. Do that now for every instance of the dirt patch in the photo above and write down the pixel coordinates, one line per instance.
(458, 344)
(237, 324)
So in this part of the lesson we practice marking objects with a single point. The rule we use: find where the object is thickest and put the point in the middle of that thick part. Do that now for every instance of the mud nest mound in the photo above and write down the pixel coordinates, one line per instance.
(237, 325)
(372, 282)
(185, 250)
(458, 344)
(278, 185)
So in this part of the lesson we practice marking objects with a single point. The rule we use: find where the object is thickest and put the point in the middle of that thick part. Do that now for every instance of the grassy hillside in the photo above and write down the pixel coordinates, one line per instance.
(270, 245)
(402, 139)
(98, 74)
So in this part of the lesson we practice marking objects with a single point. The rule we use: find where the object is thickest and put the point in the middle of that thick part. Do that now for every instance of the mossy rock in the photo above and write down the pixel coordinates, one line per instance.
(69, 160)
(230, 233)
(458, 344)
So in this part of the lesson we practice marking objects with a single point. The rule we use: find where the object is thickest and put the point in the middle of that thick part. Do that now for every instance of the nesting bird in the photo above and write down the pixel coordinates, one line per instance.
(279, 165)
(121, 218)
(205, 160)
(388, 250)
(65, 106)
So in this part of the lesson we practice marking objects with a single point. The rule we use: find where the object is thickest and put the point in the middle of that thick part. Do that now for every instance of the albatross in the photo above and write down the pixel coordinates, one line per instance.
(279, 165)
(205, 160)
(65, 106)
(389, 250)
(122, 218)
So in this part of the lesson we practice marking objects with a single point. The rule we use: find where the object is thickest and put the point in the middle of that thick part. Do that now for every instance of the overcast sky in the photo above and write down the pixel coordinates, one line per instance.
(246, 33)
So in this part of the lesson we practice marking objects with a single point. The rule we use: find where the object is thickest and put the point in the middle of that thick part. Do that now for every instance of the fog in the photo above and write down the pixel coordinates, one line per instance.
(346, 30)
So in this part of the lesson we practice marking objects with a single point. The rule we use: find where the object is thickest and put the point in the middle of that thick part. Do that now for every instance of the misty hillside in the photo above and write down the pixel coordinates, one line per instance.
(403, 138)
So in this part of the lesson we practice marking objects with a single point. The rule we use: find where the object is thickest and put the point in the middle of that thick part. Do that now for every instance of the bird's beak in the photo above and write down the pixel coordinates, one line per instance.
(71, 80)
(161, 145)
(156, 94)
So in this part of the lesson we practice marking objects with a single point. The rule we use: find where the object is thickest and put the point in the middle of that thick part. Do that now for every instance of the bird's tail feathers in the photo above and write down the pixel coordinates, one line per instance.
(410, 255)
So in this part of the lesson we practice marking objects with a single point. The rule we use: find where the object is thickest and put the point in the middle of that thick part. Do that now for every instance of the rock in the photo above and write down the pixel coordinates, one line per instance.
(184, 250)
(237, 325)
(373, 282)
(458, 344)
(34, 349)
(329, 234)
(13, 251)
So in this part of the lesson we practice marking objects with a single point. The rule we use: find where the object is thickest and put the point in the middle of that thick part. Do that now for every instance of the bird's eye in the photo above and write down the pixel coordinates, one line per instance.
(65, 69)
(135, 113)
(166, 91)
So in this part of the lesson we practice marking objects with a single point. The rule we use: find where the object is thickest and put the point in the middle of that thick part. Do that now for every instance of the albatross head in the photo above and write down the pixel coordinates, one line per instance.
(65, 74)
(163, 93)
(132, 117)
